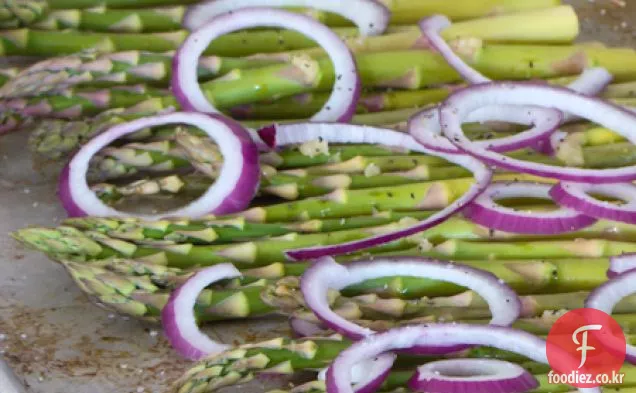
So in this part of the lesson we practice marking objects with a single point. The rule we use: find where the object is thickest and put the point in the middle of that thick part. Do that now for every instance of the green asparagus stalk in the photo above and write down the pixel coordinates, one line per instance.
(469, 305)
(57, 75)
(344, 203)
(402, 11)
(407, 70)
(72, 103)
(168, 185)
(146, 20)
(143, 292)
(244, 362)
(6, 74)
(18, 13)
(305, 105)
(557, 24)
(582, 248)
(126, 161)
(214, 231)
(415, 69)
(516, 27)
(99, 19)
(67, 242)
(288, 187)
(500, 27)
(219, 231)
(140, 296)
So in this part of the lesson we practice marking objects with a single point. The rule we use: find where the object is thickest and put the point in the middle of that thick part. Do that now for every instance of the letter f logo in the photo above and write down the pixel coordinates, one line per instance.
(583, 343)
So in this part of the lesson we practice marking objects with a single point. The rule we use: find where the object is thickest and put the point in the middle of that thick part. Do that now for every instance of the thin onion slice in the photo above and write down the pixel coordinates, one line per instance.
(341, 105)
(178, 318)
(472, 375)
(487, 212)
(281, 135)
(426, 129)
(456, 108)
(513, 340)
(371, 17)
(431, 27)
(607, 295)
(326, 274)
(620, 264)
(231, 192)
(369, 375)
(304, 328)
(577, 196)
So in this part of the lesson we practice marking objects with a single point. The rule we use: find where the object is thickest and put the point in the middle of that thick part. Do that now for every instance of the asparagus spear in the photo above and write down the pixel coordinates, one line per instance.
(626, 89)
(402, 11)
(67, 242)
(74, 103)
(213, 231)
(244, 362)
(145, 20)
(6, 74)
(414, 69)
(144, 292)
(97, 18)
(57, 75)
(557, 24)
(516, 27)
(17, 13)
(582, 248)
(407, 69)
(289, 187)
(305, 105)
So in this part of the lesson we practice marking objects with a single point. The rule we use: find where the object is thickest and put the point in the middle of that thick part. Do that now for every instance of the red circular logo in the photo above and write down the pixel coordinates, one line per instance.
(585, 348)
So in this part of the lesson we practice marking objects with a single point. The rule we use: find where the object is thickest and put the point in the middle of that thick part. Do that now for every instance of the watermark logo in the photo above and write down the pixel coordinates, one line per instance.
(586, 348)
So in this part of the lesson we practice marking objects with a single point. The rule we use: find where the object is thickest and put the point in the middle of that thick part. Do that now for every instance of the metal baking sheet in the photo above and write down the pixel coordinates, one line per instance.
(56, 341)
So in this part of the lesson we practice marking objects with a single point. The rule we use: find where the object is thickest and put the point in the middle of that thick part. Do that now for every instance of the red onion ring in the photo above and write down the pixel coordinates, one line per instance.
(426, 129)
(577, 196)
(472, 375)
(326, 274)
(620, 264)
(178, 319)
(232, 191)
(607, 295)
(487, 212)
(513, 340)
(340, 106)
(280, 135)
(425, 126)
(371, 17)
(369, 375)
(461, 103)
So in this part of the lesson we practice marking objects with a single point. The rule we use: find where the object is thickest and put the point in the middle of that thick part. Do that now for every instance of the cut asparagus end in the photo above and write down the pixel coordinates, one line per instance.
(59, 241)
